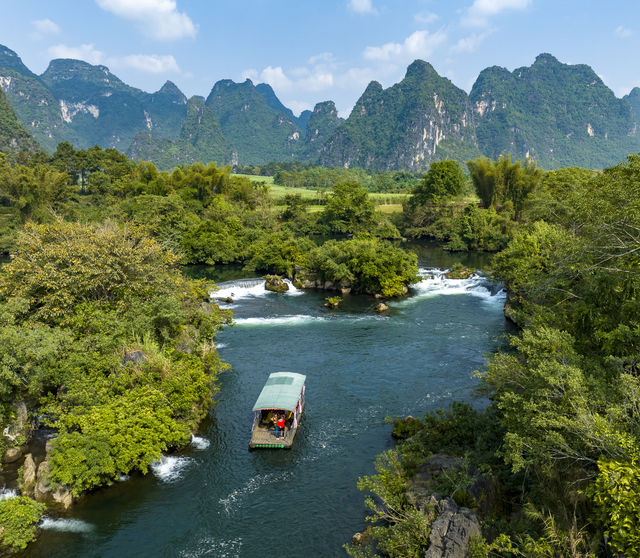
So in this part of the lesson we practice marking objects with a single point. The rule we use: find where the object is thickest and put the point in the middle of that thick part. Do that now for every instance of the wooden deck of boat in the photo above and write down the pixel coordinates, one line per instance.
(263, 438)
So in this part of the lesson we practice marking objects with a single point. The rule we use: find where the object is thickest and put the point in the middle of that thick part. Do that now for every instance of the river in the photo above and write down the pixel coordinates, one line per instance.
(218, 499)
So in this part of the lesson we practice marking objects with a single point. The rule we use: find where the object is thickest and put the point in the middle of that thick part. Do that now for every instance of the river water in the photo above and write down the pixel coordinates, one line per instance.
(217, 499)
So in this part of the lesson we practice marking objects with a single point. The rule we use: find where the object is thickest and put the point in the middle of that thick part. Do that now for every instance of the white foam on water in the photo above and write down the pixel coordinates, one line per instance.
(220, 345)
(279, 320)
(122, 477)
(240, 289)
(234, 500)
(66, 525)
(170, 468)
(293, 290)
(199, 442)
(248, 288)
(436, 283)
(210, 546)
(6, 493)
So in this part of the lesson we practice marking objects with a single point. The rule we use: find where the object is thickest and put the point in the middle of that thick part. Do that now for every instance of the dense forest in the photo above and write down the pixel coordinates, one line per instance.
(126, 366)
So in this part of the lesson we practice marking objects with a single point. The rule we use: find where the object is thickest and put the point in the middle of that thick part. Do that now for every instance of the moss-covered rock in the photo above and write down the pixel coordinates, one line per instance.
(275, 283)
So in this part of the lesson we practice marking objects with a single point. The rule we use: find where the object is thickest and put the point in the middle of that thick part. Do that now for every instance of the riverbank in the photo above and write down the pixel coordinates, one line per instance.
(360, 367)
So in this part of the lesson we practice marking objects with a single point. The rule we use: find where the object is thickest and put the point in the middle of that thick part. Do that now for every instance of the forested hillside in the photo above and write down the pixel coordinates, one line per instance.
(558, 114)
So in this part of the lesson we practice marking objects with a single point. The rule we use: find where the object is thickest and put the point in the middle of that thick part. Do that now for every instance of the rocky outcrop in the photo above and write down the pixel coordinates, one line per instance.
(134, 358)
(380, 307)
(452, 530)
(275, 283)
(28, 475)
(19, 428)
(45, 491)
(11, 455)
(459, 271)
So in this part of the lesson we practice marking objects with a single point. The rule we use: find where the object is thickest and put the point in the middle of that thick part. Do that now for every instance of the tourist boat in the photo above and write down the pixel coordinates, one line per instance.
(282, 395)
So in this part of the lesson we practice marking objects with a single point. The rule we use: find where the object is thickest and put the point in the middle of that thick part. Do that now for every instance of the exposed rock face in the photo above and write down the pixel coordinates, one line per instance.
(17, 432)
(11, 455)
(133, 357)
(45, 492)
(452, 530)
(559, 114)
(401, 127)
(28, 475)
(275, 283)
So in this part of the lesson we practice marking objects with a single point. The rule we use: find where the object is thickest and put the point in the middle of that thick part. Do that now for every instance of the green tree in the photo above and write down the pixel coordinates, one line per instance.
(18, 522)
(501, 181)
(348, 210)
(443, 180)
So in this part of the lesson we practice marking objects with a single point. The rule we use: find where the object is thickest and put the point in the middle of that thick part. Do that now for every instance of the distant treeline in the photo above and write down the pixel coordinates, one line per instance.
(307, 175)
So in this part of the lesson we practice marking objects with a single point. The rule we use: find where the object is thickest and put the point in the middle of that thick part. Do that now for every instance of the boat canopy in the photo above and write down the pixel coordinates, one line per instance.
(282, 391)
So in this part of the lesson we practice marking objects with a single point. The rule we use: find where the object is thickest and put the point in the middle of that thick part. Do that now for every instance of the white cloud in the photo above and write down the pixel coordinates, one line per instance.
(275, 77)
(46, 27)
(419, 44)
(150, 63)
(480, 11)
(470, 43)
(425, 18)
(623, 32)
(322, 57)
(362, 7)
(298, 106)
(299, 79)
(82, 52)
(159, 19)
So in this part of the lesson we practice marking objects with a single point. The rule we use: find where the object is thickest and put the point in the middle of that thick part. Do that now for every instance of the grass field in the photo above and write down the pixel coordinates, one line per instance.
(385, 203)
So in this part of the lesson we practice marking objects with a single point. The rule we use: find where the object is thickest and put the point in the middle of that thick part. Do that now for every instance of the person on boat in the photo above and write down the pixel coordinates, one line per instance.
(280, 426)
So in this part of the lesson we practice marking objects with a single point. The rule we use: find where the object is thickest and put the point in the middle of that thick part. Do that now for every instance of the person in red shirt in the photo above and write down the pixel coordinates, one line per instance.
(280, 426)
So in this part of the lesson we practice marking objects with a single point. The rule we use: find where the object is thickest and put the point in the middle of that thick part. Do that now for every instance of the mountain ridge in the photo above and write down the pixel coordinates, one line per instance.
(559, 114)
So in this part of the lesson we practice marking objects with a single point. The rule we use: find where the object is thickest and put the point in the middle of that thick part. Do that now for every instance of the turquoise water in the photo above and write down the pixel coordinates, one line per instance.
(218, 499)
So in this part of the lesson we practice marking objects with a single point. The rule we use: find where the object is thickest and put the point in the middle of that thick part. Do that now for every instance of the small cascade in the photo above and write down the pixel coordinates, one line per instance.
(436, 283)
(293, 290)
(199, 443)
(170, 468)
(240, 289)
(6, 493)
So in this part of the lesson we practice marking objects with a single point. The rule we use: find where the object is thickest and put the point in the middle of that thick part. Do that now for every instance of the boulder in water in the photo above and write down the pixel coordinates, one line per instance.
(380, 307)
(275, 283)
(332, 302)
(459, 271)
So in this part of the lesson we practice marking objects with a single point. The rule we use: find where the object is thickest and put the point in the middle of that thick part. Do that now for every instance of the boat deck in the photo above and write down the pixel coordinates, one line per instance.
(264, 438)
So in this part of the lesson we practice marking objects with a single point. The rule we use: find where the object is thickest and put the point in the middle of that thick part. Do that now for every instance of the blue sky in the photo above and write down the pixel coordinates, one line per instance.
(311, 51)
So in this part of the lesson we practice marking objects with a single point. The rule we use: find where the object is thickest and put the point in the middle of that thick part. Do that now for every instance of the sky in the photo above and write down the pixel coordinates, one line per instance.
(316, 50)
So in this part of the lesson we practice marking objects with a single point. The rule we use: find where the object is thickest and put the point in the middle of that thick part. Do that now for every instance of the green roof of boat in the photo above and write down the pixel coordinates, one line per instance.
(281, 391)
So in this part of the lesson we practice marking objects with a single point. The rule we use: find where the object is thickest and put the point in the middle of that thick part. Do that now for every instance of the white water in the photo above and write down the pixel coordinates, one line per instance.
(6, 493)
(435, 283)
(199, 443)
(66, 525)
(170, 468)
(279, 320)
(249, 288)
